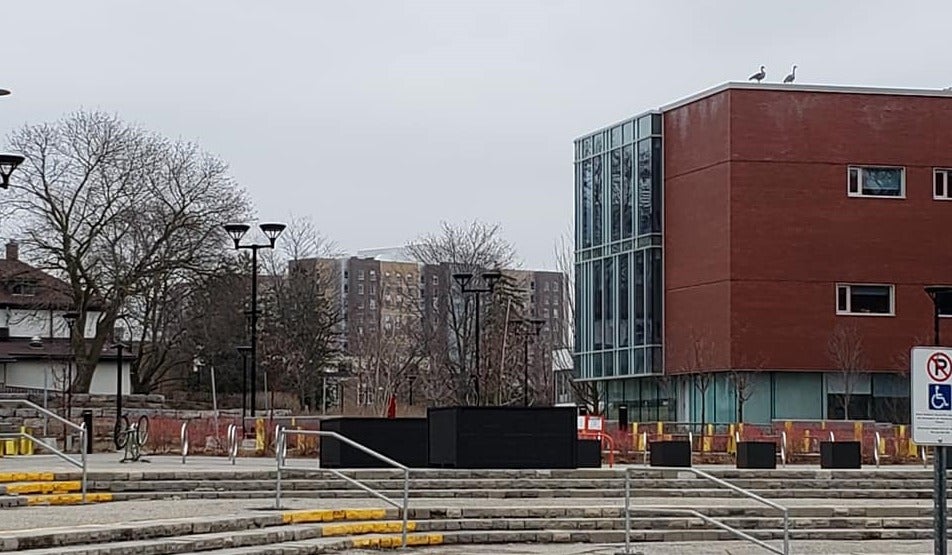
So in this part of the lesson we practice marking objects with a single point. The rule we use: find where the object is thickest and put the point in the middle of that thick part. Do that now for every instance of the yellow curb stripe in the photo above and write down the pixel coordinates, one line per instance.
(391, 527)
(26, 476)
(44, 487)
(397, 541)
(67, 498)
(329, 515)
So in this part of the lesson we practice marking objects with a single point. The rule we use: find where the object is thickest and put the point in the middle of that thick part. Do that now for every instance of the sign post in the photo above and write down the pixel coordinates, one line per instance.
(931, 380)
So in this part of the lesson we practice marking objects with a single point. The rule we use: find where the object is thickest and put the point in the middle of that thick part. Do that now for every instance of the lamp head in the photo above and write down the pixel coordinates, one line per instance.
(463, 279)
(4, 92)
(272, 231)
(8, 163)
(236, 231)
(36, 342)
(491, 278)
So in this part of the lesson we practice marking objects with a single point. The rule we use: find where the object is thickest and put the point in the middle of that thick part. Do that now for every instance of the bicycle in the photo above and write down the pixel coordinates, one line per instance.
(130, 437)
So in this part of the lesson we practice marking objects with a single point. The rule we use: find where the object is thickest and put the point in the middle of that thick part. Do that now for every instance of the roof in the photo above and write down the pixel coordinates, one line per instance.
(50, 291)
(795, 87)
(18, 348)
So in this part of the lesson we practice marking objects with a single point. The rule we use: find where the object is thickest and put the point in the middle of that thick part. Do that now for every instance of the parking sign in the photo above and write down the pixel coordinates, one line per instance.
(931, 380)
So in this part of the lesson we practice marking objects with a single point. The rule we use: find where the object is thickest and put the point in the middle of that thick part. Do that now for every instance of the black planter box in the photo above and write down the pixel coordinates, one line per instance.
(589, 454)
(840, 454)
(756, 454)
(401, 439)
(502, 437)
(670, 453)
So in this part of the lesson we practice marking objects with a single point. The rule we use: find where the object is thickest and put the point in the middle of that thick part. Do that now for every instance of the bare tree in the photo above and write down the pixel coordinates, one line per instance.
(301, 332)
(697, 366)
(743, 384)
(113, 210)
(846, 352)
(472, 247)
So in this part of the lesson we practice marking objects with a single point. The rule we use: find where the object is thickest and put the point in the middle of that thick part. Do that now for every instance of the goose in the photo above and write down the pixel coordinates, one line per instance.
(792, 76)
(758, 76)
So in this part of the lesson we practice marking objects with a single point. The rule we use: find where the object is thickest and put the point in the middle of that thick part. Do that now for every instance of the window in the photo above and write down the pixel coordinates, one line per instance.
(360, 288)
(436, 280)
(876, 182)
(943, 185)
(360, 305)
(22, 287)
(865, 299)
(373, 304)
(360, 275)
(373, 275)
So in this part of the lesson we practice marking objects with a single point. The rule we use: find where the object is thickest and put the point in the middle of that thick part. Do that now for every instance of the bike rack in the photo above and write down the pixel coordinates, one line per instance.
(183, 437)
(876, 448)
(691, 512)
(81, 463)
(281, 449)
(233, 442)
(783, 448)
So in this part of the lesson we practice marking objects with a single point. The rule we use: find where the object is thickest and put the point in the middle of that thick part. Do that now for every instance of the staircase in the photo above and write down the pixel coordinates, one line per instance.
(481, 507)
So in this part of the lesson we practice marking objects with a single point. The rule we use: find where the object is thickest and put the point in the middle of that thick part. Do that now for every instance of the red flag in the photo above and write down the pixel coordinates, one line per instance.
(392, 407)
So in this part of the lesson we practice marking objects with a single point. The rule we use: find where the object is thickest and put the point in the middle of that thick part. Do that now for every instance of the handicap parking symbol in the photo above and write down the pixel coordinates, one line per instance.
(940, 396)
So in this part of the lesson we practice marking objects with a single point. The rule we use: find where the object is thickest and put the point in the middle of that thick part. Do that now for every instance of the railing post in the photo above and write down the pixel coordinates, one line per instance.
(406, 503)
(278, 456)
(786, 531)
(627, 511)
(83, 431)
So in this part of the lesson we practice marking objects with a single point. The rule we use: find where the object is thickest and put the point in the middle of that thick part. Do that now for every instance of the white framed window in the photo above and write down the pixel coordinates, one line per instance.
(372, 304)
(360, 288)
(360, 275)
(861, 299)
(373, 275)
(876, 181)
(942, 184)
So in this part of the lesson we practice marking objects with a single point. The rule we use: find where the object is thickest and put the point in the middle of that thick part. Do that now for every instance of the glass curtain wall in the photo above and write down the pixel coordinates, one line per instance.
(618, 259)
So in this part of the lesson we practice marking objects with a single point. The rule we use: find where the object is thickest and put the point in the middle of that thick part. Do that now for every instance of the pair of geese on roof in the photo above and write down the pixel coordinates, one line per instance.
(763, 73)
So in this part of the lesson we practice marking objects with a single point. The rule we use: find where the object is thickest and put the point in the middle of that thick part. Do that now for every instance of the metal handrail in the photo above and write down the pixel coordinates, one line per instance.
(183, 437)
(281, 453)
(833, 439)
(731, 529)
(783, 448)
(81, 463)
(922, 455)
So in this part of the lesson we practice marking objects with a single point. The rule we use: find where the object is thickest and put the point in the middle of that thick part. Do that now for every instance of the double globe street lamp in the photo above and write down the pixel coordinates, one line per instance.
(272, 231)
(489, 279)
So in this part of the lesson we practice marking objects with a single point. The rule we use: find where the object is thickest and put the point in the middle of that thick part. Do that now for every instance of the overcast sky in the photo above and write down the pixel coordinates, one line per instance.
(380, 119)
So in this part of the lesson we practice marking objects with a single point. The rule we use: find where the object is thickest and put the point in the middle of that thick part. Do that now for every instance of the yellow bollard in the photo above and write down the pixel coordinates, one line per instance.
(9, 447)
(806, 441)
(26, 444)
(660, 429)
(634, 430)
(259, 435)
(731, 446)
(857, 431)
(708, 438)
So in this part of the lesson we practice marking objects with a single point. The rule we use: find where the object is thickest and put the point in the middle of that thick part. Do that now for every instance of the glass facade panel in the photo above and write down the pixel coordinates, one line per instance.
(656, 185)
(616, 194)
(586, 201)
(653, 296)
(616, 136)
(638, 284)
(597, 300)
(609, 304)
(597, 216)
(599, 143)
(627, 191)
(623, 287)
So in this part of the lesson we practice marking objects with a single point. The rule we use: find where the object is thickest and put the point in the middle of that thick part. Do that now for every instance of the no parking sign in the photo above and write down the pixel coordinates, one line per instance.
(931, 380)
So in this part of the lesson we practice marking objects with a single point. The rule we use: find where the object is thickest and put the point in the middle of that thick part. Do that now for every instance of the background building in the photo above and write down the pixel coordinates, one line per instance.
(798, 226)
(34, 338)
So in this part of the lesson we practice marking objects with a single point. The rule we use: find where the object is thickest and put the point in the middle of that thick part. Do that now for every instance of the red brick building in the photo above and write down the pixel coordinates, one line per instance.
(800, 225)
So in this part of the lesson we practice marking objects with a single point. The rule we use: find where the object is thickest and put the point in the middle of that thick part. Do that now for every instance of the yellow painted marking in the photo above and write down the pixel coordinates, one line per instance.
(397, 541)
(328, 515)
(68, 498)
(26, 476)
(391, 527)
(44, 487)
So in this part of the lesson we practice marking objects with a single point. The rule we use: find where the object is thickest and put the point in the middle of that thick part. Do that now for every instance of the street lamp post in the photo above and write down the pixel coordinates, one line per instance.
(529, 328)
(70, 318)
(490, 279)
(941, 299)
(243, 350)
(237, 231)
